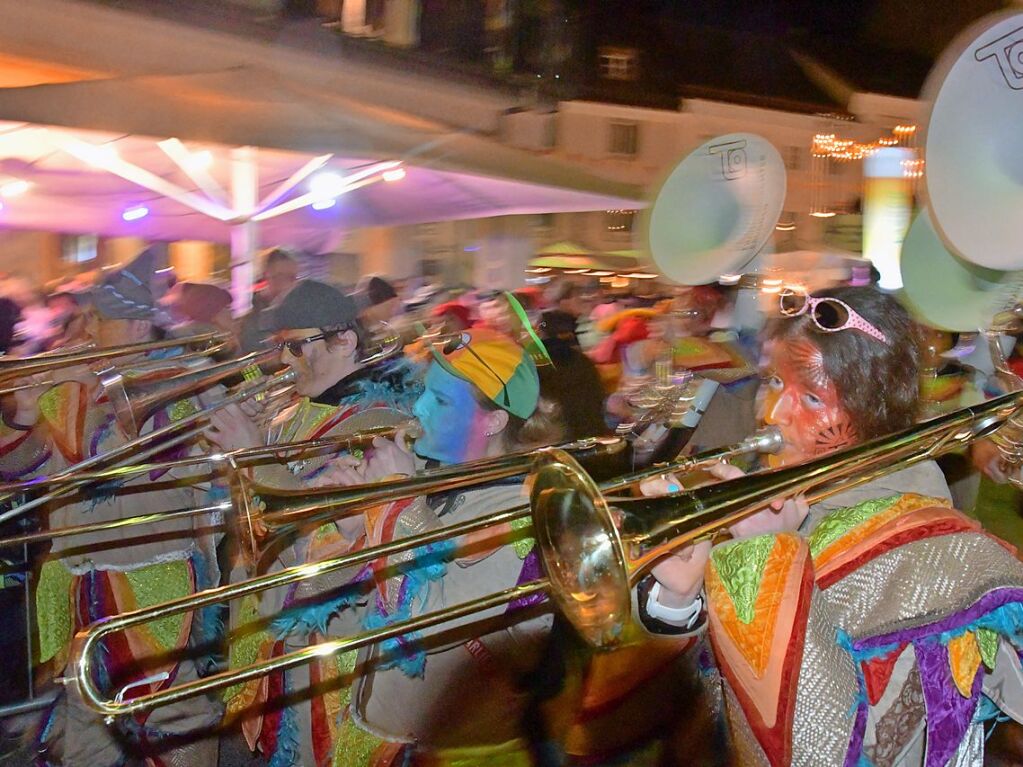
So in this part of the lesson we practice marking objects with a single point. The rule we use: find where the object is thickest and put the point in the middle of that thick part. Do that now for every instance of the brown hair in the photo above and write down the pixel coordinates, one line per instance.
(546, 426)
(878, 384)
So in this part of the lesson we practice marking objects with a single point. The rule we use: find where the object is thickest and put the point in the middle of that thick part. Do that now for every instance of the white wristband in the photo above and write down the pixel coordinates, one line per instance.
(679, 616)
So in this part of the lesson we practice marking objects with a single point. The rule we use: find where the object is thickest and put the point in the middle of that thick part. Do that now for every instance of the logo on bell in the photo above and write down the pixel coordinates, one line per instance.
(1008, 52)
(733, 158)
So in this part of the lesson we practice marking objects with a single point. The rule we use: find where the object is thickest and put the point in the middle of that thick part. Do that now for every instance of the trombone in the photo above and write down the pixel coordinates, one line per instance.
(85, 644)
(592, 557)
(133, 403)
(156, 441)
(21, 367)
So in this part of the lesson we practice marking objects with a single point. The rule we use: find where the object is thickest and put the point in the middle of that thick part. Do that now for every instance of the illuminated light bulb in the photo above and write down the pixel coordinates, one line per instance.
(200, 160)
(136, 213)
(327, 184)
(396, 174)
(14, 188)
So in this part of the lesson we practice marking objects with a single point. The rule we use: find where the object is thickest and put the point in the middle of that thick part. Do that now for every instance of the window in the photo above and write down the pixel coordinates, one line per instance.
(624, 139)
(78, 250)
(618, 63)
(793, 158)
(619, 221)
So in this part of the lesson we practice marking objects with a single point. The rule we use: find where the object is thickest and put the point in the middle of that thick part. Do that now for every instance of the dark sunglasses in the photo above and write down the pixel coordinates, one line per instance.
(462, 342)
(295, 347)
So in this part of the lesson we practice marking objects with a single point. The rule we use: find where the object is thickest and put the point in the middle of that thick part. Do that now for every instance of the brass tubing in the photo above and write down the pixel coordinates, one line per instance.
(98, 527)
(84, 642)
(626, 537)
(19, 367)
(130, 447)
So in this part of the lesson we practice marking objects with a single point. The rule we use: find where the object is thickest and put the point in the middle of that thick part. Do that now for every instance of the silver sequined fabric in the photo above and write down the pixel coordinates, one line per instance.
(920, 583)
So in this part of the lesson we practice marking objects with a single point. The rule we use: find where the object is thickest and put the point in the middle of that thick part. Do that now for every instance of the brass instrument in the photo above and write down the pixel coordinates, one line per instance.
(146, 445)
(233, 460)
(20, 367)
(84, 646)
(135, 402)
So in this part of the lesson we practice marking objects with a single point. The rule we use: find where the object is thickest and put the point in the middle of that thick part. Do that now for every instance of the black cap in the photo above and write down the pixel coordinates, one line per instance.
(310, 304)
(379, 290)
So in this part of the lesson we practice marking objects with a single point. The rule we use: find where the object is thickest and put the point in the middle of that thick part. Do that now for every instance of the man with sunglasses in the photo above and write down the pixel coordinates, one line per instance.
(317, 330)
(870, 626)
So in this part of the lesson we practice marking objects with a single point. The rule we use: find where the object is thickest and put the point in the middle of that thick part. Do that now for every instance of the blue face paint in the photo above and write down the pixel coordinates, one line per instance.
(452, 420)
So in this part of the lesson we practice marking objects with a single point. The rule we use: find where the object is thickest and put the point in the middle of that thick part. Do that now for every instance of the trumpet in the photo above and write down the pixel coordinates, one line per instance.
(768, 440)
(21, 367)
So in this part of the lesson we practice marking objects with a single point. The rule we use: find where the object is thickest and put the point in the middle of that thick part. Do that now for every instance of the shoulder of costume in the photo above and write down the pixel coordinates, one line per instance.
(850, 537)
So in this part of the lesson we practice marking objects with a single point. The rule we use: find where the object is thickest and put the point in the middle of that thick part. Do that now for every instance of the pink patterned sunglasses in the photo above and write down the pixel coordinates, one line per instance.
(828, 314)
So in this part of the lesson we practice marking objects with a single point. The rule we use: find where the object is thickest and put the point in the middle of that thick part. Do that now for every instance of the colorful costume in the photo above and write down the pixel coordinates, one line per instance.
(303, 733)
(89, 577)
(885, 635)
(454, 694)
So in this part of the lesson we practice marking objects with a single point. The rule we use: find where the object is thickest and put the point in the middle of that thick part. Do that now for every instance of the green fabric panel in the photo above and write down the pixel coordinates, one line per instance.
(53, 608)
(522, 546)
(740, 565)
(158, 583)
(245, 644)
(841, 521)
(987, 641)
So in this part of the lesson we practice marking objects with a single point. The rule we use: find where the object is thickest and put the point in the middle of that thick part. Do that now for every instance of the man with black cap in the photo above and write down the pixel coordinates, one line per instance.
(322, 340)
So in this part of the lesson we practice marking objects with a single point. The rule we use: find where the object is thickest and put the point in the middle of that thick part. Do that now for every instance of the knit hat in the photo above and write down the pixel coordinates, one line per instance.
(127, 293)
(497, 366)
(311, 304)
(196, 301)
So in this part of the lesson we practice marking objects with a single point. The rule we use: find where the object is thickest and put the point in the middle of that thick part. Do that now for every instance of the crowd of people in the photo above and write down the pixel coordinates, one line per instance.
(878, 625)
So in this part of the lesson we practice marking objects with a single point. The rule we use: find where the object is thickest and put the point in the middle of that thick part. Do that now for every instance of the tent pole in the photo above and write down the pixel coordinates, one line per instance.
(244, 233)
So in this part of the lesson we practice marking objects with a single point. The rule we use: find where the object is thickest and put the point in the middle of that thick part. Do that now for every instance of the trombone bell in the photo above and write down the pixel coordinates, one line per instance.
(581, 549)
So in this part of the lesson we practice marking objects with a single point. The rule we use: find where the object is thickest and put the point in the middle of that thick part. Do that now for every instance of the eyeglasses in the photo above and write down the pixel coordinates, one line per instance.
(295, 347)
(828, 314)
(462, 341)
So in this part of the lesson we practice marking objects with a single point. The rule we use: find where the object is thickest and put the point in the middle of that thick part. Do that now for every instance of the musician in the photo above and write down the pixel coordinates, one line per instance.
(451, 694)
(875, 624)
(89, 577)
(323, 342)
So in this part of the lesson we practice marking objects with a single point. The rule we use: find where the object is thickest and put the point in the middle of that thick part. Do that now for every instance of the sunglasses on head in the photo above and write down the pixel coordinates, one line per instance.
(829, 314)
(463, 341)
(295, 347)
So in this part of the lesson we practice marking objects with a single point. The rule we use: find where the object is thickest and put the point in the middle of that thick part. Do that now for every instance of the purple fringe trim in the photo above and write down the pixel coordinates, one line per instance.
(530, 572)
(987, 603)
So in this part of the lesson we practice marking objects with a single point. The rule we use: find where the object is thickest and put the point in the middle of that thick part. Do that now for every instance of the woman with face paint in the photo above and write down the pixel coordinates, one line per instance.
(879, 626)
(454, 693)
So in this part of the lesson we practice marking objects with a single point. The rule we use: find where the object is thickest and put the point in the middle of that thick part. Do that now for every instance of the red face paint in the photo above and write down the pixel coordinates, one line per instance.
(802, 402)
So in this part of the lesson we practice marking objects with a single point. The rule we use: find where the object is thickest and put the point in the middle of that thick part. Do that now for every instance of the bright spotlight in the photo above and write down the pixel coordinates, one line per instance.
(327, 184)
(200, 160)
(330, 202)
(14, 188)
(136, 213)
